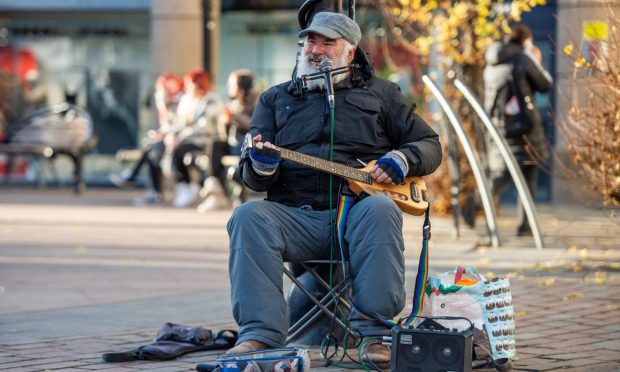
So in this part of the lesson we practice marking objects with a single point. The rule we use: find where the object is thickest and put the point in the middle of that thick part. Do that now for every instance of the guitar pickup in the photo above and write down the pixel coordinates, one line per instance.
(415, 194)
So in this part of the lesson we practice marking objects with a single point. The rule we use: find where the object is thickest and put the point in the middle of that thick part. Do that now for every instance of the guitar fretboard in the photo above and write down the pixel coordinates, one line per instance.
(325, 165)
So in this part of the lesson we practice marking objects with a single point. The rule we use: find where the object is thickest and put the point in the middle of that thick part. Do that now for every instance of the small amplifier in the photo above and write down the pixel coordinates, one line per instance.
(431, 349)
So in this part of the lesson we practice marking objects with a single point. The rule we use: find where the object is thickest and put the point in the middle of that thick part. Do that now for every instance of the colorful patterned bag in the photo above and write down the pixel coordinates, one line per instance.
(487, 303)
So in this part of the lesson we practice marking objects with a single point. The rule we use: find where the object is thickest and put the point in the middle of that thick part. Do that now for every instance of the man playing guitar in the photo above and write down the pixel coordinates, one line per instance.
(293, 123)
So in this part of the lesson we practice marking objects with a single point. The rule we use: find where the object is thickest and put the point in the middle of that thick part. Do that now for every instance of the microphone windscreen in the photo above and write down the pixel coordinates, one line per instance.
(326, 64)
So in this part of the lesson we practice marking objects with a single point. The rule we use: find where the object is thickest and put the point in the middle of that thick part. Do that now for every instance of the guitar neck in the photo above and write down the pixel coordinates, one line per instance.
(325, 165)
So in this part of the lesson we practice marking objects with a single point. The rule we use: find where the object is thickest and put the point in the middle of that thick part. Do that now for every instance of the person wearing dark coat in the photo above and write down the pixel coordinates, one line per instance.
(372, 121)
(503, 61)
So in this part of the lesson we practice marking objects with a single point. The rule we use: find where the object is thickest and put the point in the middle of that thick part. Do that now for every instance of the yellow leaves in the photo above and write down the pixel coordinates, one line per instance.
(461, 30)
(580, 62)
(515, 11)
(573, 297)
(520, 314)
(600, 277)
(460, 10)
(611, 307)
(596, 280)
(545, 282)
(483, 262)
(423, 44)
(482, 10)
(568, 49)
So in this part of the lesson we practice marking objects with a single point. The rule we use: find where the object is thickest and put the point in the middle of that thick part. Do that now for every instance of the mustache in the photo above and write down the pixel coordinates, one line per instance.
(315, 58)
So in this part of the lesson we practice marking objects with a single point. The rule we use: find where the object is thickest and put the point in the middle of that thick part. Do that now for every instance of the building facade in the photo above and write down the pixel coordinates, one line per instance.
(105, 54)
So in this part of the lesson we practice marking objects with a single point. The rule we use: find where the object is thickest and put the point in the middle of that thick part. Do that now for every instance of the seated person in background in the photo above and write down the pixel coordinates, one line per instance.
(199, 122)
(168, 91)
(237, 114)
(373, 120)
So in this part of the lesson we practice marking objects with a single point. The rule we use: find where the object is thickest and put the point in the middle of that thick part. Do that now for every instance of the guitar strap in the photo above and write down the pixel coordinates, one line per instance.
(344, 207)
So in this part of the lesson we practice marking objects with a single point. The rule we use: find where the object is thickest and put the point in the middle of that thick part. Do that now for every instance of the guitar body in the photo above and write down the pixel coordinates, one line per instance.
(411, 197)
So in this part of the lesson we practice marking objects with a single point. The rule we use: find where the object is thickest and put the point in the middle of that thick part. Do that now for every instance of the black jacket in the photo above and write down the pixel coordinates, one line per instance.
(372, 117)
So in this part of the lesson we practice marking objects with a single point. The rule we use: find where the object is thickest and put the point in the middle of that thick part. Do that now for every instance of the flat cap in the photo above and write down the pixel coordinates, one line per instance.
(333, 26)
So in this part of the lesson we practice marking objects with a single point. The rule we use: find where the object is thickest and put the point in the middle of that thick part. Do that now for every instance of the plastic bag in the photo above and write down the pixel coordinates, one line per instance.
(487, 303)
(285, 359)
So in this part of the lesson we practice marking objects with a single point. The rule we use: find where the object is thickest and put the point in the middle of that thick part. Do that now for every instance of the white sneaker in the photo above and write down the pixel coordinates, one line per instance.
(179, 195)
(150, 199)
(211, 185)
(212, 203)
(121, 179)
(186, 195)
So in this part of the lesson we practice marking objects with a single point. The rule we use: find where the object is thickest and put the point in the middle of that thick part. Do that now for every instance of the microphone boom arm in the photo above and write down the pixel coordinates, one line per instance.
(320, 75)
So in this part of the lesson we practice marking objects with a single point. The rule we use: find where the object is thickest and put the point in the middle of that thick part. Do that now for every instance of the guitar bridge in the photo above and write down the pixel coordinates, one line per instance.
(395, 195)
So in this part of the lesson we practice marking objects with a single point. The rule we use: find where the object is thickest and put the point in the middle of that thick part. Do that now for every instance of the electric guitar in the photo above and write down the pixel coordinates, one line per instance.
(411, 197)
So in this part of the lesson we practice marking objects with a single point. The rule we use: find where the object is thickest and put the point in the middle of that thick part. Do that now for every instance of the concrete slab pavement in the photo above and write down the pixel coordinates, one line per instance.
(83, 275)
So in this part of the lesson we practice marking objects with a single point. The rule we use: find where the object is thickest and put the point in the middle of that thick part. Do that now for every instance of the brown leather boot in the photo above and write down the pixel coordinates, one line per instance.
(377, 353)
(249, 345)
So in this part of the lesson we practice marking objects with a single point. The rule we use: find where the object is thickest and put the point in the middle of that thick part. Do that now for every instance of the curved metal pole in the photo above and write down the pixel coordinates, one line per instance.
(453, 169)
(509, 159)
(481, 181)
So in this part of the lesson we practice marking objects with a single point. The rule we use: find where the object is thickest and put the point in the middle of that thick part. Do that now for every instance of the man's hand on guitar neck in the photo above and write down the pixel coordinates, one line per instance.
(265, 158)
(390, 168)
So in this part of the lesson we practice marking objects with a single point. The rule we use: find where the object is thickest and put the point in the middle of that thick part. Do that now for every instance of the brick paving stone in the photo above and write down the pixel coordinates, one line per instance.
(32, 362)
(607, 355)
(568, 356)
(528, 336)
(611, 344)
(11, 359)
(541, 364)
(109, 367)
(172, 368)
(101, 366)
(599, 367)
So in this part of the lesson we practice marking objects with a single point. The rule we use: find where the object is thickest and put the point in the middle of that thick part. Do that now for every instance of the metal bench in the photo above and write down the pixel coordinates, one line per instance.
(62, 129)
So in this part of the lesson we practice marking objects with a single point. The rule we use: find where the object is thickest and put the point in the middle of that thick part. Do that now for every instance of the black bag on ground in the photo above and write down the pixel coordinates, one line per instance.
(174, 340)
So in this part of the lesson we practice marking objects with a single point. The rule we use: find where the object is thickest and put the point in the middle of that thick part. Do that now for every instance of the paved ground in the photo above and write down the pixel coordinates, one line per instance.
(80, 276)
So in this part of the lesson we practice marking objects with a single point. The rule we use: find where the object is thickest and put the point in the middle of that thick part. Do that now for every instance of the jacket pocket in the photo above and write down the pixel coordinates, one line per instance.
(362, 118)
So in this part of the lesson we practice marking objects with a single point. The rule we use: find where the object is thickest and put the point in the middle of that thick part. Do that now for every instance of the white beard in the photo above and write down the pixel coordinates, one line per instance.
(305, 67)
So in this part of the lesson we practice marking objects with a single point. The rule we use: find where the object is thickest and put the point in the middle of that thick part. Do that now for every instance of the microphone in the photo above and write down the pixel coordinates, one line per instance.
(326, 66)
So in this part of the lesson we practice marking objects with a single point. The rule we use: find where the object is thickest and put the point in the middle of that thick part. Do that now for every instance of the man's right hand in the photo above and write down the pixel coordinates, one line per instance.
(265, 158)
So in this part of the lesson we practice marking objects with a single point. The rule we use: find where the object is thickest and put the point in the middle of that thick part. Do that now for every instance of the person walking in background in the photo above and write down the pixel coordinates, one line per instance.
(168, 91)
(237, 115)
(199, 123)
(372, 120)
(512, 76)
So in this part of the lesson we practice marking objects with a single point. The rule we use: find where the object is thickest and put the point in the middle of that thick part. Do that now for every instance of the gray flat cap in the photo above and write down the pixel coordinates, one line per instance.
(334, 26)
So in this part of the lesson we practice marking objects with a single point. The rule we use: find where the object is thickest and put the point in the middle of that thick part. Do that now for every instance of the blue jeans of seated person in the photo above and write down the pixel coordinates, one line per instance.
(264, 235)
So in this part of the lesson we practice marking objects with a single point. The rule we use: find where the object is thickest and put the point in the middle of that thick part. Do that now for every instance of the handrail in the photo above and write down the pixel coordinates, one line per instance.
(474, 161)
(509, 159)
